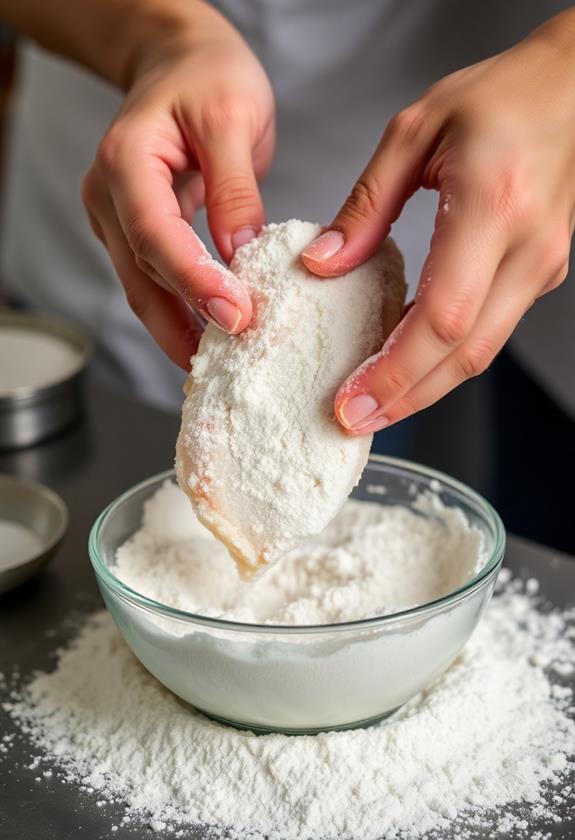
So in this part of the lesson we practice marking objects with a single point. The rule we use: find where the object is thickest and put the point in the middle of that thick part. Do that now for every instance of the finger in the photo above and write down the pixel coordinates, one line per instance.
(513, 292)
(166, 317)
(233, 202)
(502, 314)
(150, 217)
(465, 254)
(390, 178)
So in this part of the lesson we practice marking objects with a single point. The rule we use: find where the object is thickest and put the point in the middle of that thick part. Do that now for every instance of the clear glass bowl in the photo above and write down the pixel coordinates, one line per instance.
(302, 679)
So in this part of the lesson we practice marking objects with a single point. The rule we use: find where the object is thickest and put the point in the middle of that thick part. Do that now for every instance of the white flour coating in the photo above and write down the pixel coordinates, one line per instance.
(492, 732)
(259, 453)
(224, 281)
(370, 560)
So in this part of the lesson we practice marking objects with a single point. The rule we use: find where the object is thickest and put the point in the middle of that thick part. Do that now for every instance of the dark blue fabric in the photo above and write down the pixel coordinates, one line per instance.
(534, 458)
(528, 450)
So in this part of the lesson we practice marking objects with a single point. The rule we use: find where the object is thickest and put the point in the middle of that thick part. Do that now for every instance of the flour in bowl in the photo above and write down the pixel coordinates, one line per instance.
(370, 560)
(260, 454)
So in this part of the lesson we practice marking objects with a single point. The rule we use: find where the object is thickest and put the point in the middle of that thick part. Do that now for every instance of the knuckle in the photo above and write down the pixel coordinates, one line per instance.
(506, 194)
(555, 255)
(475, 359)
(140, 234)
(397, 381)
(234, 194)
(223, 113)
(406, 125)
(449, 325)
(556, 281)
(109, 150)
(364, 200)
(501, 188)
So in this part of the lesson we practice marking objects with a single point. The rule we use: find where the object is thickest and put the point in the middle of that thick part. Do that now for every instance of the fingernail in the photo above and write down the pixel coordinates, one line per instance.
(376, 424)
(243, 236)
(225, 314)
(358, 411)
(325, 246)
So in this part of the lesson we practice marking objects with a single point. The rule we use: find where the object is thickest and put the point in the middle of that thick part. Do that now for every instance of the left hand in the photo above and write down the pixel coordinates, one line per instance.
(497, 140)
(196, 126)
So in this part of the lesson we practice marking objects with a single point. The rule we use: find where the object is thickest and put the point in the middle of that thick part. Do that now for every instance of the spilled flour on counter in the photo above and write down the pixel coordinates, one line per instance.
(356, 568)
(486, 749)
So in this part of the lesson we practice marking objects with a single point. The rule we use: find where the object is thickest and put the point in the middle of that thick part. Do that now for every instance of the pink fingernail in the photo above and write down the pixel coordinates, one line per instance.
(358, 411)
(225, 314)
(243, 236)
(325, 246)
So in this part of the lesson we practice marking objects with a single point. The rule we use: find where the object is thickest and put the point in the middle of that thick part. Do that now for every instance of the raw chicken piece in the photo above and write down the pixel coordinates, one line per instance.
(260, 455)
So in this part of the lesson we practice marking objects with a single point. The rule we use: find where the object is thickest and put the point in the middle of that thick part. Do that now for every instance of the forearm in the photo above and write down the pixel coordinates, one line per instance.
(107, 36)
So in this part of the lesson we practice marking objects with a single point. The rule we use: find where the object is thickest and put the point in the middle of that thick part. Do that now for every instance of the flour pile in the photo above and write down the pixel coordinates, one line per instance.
(260, 454)
(357, 568)
(494, 731)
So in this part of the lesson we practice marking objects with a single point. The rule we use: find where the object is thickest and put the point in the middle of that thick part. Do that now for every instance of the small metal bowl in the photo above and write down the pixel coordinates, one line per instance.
(31, 414)
(40, 511)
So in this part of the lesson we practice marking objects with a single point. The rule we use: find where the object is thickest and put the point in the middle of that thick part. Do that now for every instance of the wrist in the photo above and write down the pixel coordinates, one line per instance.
(164, 29)
(136, 29)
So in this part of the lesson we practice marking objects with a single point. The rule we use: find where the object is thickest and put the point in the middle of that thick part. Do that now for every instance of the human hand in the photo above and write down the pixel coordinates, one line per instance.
(197, 125)
(497, 140)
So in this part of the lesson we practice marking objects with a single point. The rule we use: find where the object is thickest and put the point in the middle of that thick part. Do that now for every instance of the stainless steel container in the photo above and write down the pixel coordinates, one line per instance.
(31, 414)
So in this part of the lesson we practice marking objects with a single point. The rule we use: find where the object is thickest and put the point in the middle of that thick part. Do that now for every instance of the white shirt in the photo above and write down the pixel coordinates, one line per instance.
(340, 70)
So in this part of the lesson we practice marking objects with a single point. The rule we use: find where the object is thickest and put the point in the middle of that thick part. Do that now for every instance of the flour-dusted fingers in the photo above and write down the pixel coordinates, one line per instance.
(392, 175)
(260, 454)
(193, 82)
(466, 250)
(537, 266)
(233, 202)
(142, 191)
(168, 319)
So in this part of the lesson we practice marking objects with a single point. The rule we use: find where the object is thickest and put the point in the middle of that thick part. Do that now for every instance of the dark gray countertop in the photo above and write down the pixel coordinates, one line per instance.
(120, 443)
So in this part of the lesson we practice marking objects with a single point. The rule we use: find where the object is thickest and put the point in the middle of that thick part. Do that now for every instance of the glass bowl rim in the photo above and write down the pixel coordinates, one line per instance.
(478, 581)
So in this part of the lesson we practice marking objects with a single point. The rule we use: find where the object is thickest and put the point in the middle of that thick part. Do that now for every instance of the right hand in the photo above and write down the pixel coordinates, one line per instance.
(197, 126)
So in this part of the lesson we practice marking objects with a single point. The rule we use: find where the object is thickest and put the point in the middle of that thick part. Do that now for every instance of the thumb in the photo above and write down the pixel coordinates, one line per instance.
(233, 202)
(390, 178)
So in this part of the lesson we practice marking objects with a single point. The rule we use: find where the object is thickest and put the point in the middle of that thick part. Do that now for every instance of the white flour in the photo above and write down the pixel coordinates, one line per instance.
(259, 453)
(491, 732)
(31, 359)
(370, 560)
(17, 543)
